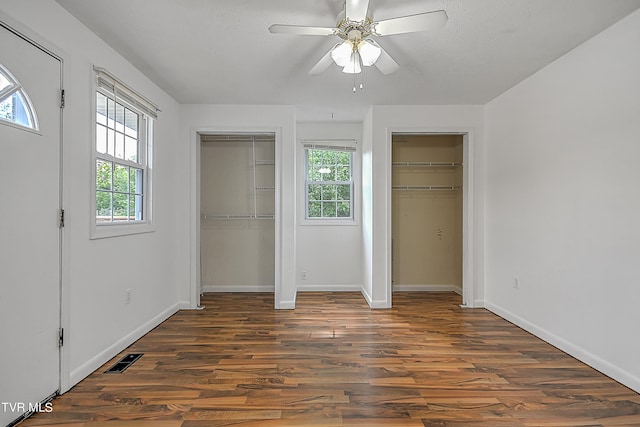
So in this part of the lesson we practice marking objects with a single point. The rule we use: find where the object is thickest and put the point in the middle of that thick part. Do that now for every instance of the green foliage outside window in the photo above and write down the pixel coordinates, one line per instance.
(329, 184)
(118, 189)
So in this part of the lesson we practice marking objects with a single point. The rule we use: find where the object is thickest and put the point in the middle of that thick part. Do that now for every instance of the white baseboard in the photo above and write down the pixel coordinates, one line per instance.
(239, 288)
(184, 305)
(428, 288)
(104, 356)
(607, 368)
(329, 288)
(366, 296)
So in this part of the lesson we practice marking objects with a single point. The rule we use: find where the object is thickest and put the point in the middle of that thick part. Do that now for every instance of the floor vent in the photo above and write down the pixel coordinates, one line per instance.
(123, 363)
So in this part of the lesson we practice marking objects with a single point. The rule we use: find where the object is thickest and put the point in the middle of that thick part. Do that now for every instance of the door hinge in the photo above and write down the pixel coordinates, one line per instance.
(62, 98)
(60, 337)
(61, 218)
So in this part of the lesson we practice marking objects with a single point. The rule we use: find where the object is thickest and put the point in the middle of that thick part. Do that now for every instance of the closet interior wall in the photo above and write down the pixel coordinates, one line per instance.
(237, 198)
(427, 212)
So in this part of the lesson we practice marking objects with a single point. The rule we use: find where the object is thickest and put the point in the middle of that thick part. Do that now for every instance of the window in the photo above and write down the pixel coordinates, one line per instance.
(122, 154)
(329, 182)
(15, 106)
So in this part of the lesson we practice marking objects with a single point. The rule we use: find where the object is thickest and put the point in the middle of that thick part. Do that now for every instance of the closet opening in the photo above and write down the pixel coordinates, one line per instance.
(427, 212)
(237, 212)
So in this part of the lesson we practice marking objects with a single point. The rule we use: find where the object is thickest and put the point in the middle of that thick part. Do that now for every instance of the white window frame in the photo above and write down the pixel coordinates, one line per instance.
(109, 86)
(336, 145)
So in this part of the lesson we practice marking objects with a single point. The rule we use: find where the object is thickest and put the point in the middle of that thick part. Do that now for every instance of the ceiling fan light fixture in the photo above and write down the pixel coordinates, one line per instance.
(353, 67)
(369, 53)
(341, 55)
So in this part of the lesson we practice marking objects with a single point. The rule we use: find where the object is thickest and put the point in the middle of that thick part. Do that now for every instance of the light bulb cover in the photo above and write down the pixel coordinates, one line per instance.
(353, 67)
(341, 54)
(369, 52)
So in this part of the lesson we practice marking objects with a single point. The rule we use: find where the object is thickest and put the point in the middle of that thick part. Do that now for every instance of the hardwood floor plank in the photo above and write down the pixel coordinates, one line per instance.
(335, 362)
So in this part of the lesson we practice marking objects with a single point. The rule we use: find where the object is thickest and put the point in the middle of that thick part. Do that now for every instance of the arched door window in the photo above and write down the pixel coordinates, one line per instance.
(15, 105)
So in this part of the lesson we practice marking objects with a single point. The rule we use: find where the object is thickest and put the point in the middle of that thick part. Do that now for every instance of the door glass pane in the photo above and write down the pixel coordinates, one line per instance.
(15, 106)
(4, 82)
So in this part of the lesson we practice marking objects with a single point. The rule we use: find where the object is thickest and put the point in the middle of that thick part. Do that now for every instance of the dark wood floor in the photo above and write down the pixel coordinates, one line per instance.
(335, 362)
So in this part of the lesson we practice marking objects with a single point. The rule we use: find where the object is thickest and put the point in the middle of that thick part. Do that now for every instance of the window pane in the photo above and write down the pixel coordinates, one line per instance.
(119, 145)
(135, 208)
(344, 192)
(103, 206)
(315, 192)
(111, 141)
(131, 149)
(343, 157)
(343, 173)
(135, 181)
(4, 82)
(103, 175)
(344, 209)
(111, 113)
(119, 117)
(101, 109)
(314, 174)
(121, 178)
(101, 139)
(329, 209)
(120, 206)
(315, 210)
(131, 123)
(7, 109)
(14, 109)
(329, 192)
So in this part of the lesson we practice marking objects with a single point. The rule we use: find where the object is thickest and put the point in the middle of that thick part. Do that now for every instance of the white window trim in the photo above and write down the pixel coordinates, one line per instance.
(105, 230)
(354, 220)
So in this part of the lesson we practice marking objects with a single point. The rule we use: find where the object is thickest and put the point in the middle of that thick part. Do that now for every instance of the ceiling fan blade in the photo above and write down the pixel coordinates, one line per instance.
(356, 10)
(324, 63)
(385, 63)
(299, 29)
(412, 23)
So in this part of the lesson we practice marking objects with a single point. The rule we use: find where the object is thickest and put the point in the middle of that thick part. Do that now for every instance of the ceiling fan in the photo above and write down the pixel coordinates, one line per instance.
(357, 29)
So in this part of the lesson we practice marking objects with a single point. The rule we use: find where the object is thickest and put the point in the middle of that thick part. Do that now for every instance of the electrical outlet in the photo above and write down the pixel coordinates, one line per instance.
(127, 297)
(303, 275)
(516, 283)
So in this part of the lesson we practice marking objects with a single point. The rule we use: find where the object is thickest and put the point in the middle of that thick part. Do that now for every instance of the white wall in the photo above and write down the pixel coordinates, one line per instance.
(331, 255)
(97, 322)
(380, 123)
(563, 202)
(234, 119)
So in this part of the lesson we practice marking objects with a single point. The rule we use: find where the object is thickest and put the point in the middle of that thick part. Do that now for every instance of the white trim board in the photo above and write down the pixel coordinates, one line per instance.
(329, 288)
(579, 353)
(427, 288)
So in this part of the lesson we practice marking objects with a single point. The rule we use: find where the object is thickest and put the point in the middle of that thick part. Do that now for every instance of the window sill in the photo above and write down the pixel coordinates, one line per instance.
(104, 231)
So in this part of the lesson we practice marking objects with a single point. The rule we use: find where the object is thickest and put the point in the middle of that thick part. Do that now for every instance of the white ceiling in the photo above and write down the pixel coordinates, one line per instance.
(221, 52)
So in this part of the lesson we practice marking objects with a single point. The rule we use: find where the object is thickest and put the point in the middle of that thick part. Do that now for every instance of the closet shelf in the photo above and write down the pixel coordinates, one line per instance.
(265, 188)
(427, 164)
(265, 162)
(425, 188)
(217, 216)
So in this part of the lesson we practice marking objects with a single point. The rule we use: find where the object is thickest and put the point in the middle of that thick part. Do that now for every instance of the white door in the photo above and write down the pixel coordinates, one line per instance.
(29, 234)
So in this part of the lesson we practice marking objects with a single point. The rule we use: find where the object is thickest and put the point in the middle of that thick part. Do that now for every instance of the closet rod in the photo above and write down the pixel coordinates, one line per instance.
(425, 188)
